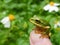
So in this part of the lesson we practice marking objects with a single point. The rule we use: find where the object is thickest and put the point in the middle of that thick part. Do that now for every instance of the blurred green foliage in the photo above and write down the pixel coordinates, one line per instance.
(20, 29)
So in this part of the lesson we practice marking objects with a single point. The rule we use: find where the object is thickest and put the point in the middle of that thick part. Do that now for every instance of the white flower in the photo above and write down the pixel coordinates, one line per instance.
(57, 25)
(51, 7)
(6, 22)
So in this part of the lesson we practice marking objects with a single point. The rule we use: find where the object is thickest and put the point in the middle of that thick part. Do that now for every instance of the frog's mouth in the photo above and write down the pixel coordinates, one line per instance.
(38, 23)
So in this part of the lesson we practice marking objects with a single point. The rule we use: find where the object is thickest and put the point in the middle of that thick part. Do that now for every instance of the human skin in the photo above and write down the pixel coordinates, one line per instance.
(36, 39)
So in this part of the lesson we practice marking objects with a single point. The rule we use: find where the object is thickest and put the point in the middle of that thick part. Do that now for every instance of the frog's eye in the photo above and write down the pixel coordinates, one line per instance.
(37, 21)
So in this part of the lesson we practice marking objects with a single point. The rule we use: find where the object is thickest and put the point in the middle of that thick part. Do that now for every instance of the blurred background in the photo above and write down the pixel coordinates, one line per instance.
(21, 27)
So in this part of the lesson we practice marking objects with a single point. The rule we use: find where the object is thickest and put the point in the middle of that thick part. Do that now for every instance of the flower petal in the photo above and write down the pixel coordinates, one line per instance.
(7, 25)
(46, 7)
(56, 9)
(56, 4)
(4, 20)
(51, 8)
